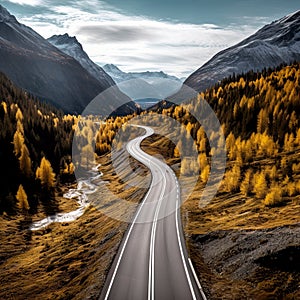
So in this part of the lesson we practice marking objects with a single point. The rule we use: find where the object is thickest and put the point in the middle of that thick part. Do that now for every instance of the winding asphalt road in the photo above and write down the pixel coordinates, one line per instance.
(152, 261)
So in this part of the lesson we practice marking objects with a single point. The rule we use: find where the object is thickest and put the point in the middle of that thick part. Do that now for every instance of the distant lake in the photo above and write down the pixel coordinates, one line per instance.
(147, 102)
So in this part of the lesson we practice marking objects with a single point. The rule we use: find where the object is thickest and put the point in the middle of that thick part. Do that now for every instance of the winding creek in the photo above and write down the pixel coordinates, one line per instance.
(84, 188)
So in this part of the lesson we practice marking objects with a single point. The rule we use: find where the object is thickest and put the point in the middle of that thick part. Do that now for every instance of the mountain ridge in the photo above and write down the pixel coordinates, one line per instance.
(72, 47)
(272, 45)
(115, 71)
(143, 85)
(44, 71)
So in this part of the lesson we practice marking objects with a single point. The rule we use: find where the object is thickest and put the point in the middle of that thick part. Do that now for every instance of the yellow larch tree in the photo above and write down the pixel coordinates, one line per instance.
(246, 185)
(19, 115)
(25, 161)
(45, 174)
(273, 197)
(260, 185)
(4, 105)
(232, 178)
(22, 199)
(18, 142)
(205, 173)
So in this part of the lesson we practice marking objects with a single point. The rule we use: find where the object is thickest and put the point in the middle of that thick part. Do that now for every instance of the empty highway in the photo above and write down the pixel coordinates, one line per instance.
(152, 261)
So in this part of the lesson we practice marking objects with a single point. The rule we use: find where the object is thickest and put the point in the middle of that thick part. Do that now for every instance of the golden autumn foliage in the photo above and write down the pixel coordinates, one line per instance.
(22, 199)
(25, 161)
(273, 197)
(232, 179)
(205, 173)
(260, 187)
(246, 184)
(18, 142)
(45, 174)
(19, 115)
(4, 105)
(258, 113)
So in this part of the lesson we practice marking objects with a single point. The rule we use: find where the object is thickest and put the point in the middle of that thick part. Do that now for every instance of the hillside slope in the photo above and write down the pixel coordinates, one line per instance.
(35, 65)
(274, 44)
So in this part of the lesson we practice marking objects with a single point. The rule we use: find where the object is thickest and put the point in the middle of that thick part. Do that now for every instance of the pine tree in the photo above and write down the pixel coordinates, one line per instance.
(205, 173)
(246, 183)
(4, 105)
(230, 145)
(232, 178)
(273, 173)
(45, 174)
(20, 127)
(18, 142)
(202, 160)
(262, 121)
(19, 115)
(22, 199)
(25, 161)
(273, 197)
(260, 185)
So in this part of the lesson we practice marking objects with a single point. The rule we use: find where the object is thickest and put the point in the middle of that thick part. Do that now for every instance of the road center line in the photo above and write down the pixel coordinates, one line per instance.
(152, 240)
(128, 234)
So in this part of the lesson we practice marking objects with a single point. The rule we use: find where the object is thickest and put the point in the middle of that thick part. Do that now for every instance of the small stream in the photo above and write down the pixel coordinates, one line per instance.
(84, 188)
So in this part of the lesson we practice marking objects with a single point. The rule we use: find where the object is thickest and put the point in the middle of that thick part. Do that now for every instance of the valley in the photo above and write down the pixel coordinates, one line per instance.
(135, 185)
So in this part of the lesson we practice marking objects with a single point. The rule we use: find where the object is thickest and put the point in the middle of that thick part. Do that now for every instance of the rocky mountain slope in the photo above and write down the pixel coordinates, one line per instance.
(70, 46)
(274, 44)
(35, 65)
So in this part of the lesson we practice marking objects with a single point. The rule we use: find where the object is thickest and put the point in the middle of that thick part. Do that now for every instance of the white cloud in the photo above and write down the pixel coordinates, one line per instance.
(27, 2)
(136, 43)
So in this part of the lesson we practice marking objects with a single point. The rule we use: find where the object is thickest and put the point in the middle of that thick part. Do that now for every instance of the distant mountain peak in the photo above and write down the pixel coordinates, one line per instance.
(272, 45)
(38, 67)
(64, 39)
(111, 67)
(71, 46)
(144, 85)
(5, 16)
(119, 75)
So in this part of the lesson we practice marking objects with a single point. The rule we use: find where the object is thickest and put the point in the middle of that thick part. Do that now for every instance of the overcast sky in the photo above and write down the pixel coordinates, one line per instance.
(174, 36)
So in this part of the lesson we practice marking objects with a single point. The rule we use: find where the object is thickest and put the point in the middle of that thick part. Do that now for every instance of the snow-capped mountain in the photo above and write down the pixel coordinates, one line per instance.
(71, 46)
(142, 85)
(148, 76)
(276, 43)
(35, 65)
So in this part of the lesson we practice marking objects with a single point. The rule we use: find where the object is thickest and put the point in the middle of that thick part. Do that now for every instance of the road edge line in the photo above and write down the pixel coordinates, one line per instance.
(182, 255)
(197, 279)
(126, 240)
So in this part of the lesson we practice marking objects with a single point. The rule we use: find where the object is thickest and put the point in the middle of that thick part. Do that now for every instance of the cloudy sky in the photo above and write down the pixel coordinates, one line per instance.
(175, 36)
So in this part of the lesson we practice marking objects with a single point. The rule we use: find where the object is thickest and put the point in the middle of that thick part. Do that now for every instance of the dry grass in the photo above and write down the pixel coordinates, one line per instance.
(67, 260)
(71, 260)
(232, 216)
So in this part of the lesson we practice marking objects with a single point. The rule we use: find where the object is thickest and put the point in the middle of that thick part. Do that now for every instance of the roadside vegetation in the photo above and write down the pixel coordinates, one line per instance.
(244, 243)
(239, 242)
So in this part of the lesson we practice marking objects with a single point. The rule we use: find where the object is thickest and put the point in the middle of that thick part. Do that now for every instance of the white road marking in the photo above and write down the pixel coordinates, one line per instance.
(125, 243)
(153, 231)
(182, 256)
(152, 243)
(197, 280)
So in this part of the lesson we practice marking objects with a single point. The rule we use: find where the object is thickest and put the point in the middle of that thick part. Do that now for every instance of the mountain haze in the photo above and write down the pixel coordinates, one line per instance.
(142, 85)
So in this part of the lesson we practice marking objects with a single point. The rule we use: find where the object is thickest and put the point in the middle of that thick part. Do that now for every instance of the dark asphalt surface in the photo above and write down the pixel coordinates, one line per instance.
(152, 261)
